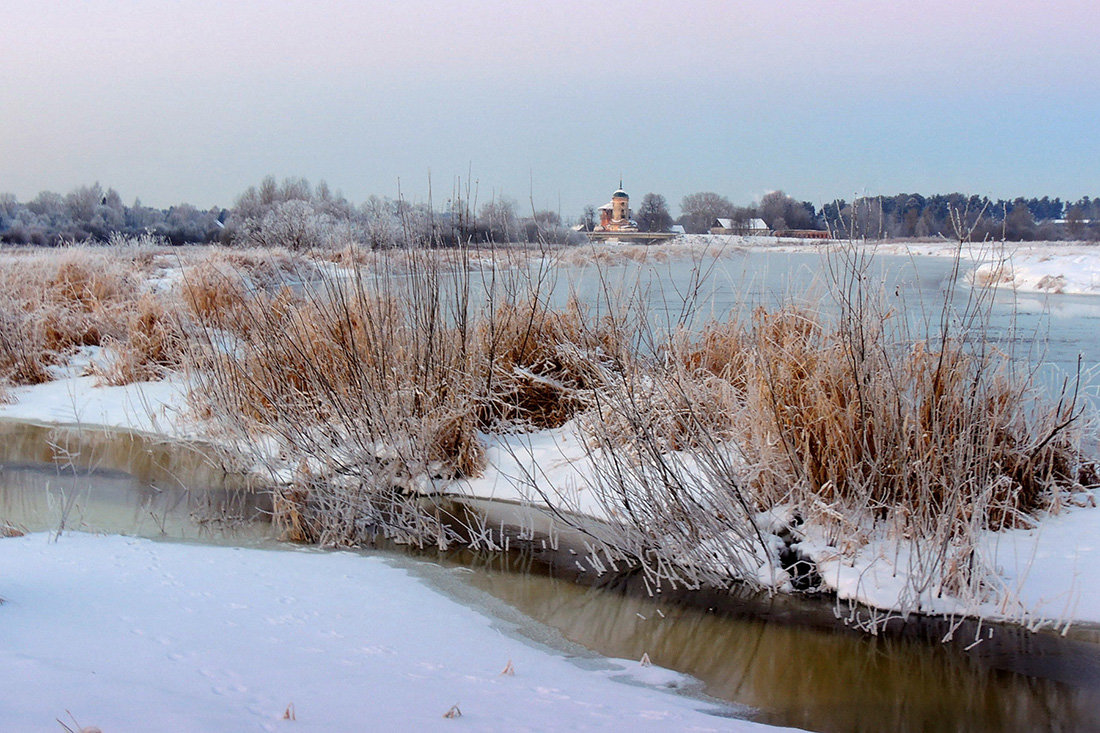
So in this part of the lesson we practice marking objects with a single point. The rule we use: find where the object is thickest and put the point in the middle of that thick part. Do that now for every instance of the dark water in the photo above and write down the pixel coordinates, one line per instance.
(109, 481)
(814, 677)
(792, 665)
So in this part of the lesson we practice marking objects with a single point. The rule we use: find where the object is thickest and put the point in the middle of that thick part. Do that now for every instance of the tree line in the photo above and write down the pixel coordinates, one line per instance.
(92, 213)
(978, 217)
(291, 213)
(296, 214)
(895, 217)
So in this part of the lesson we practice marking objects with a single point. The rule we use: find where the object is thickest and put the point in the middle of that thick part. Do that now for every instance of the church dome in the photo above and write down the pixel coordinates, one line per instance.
(620, 194)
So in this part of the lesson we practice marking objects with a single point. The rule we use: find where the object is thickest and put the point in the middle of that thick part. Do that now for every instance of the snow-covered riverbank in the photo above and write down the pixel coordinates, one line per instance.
(1071, 268)
(130, 634)
(1050, 572)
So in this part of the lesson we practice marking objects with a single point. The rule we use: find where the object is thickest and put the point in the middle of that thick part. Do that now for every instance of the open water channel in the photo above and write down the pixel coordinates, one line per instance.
(790, 663)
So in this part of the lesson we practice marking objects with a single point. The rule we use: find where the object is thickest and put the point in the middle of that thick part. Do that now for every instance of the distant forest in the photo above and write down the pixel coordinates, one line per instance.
(295, 214)
(908, 215)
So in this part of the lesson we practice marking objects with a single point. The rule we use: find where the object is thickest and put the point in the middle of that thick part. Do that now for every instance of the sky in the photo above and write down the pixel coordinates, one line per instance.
(550, 103)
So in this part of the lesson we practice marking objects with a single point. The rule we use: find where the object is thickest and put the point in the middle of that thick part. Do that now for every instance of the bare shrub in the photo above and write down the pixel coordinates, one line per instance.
(368, 391)
(852, 423)
(22, 360)
(375, 382)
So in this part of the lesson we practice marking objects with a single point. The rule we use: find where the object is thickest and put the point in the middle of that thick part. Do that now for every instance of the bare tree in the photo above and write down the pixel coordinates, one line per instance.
(653, 214)
(701, 209)
(780, 211)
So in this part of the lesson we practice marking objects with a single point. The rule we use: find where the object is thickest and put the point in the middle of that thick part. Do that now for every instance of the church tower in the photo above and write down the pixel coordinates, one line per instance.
(620, 206)
(615, 216)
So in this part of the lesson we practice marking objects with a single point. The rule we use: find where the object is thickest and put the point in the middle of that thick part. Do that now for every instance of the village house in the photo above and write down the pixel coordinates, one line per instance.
(748, 228)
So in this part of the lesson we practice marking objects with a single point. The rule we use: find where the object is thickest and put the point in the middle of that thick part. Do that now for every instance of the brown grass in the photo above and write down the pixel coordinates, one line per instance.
(847, 422)
(153, 346)
(57, 303)
(540, 365)
(942, 431)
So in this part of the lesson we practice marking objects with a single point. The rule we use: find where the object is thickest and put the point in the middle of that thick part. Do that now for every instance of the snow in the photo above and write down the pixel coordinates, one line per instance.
(131, 634)
(149, 407)
(1049, 574)
(544, 468)
(1027, 267)
(1046, 575)
(1054, 569)
(1042, 271)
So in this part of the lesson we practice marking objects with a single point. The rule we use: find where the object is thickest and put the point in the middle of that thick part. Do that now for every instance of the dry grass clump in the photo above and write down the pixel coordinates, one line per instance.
(368, 394)
(941, 433)
(153, 346)
(213, 294)
(262, 268)
(58, 302)
(826, 416)
(382, 382)
(541, 365)
(22, 360)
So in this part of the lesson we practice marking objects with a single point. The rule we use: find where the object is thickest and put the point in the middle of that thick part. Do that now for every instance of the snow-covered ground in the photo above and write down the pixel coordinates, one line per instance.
(147, 407)
(129, 634)
(1051, 573)
(1026, 267)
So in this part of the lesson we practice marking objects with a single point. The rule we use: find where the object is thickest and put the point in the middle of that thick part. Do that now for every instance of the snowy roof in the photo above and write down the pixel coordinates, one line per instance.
(725, 223)
(677, 229)
(757, 224)
(608, 205)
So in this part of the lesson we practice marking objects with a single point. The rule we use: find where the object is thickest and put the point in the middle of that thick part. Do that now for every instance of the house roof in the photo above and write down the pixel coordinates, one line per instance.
(725, 223)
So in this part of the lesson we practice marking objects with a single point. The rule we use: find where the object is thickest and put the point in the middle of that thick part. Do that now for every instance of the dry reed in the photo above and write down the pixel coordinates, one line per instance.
(849, 423)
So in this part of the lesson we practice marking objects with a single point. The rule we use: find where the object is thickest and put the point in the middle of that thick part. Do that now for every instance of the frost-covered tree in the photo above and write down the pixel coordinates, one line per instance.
(498, 219)
(293, 214)
(780, 211)
(588, 219)
(699, 210)
(653, 214)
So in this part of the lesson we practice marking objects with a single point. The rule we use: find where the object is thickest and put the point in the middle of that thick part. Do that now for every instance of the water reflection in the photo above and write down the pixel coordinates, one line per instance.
(818, 679)
(117, 482)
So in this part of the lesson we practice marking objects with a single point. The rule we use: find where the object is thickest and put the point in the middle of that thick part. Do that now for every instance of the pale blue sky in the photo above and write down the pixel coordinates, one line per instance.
(195, 101)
